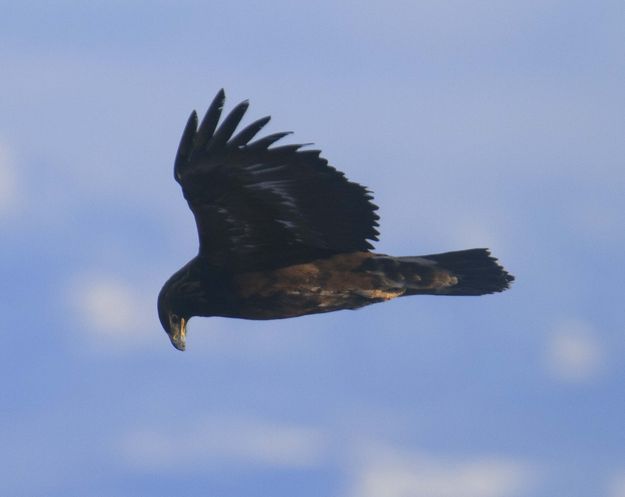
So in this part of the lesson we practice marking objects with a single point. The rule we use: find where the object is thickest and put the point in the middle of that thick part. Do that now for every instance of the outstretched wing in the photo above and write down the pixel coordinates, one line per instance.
(258, 206)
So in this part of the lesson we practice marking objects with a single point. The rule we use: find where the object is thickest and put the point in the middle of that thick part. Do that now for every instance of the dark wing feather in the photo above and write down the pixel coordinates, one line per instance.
(258, 206)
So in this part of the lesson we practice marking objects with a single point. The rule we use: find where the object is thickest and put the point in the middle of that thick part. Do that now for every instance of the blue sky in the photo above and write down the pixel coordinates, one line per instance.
(480, 123)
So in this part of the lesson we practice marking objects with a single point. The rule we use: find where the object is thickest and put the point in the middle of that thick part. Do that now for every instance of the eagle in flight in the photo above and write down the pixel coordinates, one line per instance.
(284, 234)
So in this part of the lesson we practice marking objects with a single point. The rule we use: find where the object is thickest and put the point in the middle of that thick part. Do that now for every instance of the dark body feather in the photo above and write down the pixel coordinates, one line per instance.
(283, 234)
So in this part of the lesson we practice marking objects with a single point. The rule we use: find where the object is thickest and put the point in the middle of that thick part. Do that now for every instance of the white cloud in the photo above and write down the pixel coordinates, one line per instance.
(224, 441)
(474, 232)
(389, 473)
(111, 310)
(616, 485)
(369, 470)
(574, 353)
(8, 181)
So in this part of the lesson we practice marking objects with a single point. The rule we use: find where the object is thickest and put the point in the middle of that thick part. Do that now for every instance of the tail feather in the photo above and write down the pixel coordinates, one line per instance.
(476, 272)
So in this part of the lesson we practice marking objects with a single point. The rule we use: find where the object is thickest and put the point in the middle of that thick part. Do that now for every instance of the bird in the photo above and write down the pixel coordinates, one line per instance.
(283, 234)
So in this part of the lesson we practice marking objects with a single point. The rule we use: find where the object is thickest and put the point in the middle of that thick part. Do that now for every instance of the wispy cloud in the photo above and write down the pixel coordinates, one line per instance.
(574, 352)
(215, 442)
(394, 473)
(112, 311)
(474, 232)
(616, 485)
(8, 181)
(368, 469)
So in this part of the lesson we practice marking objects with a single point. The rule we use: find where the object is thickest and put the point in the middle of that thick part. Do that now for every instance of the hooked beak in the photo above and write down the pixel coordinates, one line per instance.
(179, 335)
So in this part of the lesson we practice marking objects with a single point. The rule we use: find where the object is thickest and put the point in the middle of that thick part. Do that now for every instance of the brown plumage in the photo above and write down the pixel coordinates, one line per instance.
(283, 234)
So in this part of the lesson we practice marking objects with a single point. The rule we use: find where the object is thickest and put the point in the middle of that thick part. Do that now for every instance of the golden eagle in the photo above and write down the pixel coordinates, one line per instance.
(284, 234)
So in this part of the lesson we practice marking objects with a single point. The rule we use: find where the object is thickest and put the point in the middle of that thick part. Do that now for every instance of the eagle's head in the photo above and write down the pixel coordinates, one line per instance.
(173, 309)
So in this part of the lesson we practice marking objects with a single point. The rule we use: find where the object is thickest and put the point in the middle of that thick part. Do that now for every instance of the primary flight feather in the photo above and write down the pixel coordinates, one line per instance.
(283, 234)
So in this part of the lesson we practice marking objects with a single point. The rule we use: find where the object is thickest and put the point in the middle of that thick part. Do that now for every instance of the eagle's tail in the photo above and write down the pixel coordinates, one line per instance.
(466, 272)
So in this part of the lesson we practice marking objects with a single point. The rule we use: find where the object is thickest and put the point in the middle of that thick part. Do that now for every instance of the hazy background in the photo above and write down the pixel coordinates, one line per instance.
(482, 123)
